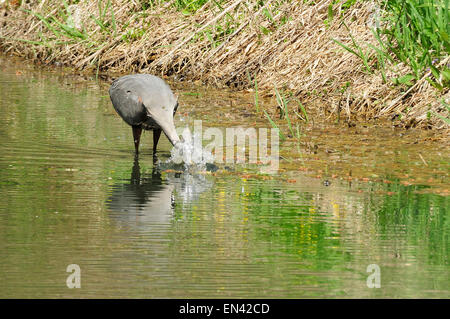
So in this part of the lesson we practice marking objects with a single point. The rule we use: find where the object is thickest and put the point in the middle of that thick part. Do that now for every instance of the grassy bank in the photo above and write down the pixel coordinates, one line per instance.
(349, 59)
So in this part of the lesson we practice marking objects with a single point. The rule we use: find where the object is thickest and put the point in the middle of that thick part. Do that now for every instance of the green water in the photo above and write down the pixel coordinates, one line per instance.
(72, 193)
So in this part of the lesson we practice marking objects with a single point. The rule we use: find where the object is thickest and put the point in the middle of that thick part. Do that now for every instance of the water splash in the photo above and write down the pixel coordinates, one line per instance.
(190, 152)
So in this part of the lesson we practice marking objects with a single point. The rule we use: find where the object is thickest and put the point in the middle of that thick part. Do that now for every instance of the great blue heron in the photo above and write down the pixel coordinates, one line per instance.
(146, 102)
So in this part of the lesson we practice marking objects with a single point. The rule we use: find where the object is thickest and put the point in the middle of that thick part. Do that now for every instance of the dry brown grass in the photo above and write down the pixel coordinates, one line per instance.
(297, 56)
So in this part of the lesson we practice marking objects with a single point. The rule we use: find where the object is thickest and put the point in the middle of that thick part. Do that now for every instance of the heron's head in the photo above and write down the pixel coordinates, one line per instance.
(163, 116)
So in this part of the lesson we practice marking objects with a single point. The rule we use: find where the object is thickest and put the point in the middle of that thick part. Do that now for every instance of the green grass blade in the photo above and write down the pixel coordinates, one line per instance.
(274, 125)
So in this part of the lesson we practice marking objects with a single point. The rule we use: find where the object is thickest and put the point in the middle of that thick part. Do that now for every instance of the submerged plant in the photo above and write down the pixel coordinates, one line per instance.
(283, 102)
(274, 125)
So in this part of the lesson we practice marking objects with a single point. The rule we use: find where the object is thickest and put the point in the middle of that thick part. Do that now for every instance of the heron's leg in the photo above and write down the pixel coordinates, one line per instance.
(137, 130)
(156, 135)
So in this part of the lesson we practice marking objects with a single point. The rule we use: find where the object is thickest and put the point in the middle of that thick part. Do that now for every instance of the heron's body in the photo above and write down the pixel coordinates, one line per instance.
(145, 102)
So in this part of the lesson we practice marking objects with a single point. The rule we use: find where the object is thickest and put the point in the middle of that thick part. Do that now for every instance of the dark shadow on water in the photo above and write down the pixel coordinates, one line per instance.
(148, 198)
(144, 199)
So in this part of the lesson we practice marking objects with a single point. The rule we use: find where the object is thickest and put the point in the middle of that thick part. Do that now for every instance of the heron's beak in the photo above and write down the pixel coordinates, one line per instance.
(166, 123)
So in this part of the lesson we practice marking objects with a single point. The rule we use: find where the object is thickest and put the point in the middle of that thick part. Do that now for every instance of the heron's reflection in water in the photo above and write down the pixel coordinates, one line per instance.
(149, 199)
